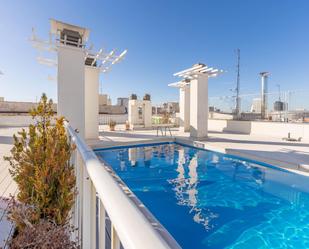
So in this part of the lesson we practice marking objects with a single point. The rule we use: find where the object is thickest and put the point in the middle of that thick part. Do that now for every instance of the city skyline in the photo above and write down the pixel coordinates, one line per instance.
(163, 38)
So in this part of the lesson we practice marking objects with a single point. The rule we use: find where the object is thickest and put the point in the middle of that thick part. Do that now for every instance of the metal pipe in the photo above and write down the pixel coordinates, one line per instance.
(264, 94)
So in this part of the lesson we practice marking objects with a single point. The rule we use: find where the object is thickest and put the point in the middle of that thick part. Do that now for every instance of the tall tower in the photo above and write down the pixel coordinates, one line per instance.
(264, 94)
(78, 71)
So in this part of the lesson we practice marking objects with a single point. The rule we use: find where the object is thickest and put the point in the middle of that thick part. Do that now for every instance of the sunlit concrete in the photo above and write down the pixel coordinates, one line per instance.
(272, 150)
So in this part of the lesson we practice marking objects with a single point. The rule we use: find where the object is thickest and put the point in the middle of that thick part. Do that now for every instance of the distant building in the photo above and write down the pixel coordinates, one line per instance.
(1, 99)
(280, 106)
(123, 102)
(256, 105)
(104, 99)
(168, 107)
(171, 107)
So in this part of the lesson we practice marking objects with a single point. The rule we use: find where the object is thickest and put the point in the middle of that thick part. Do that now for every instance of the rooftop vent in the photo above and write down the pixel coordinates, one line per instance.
(90, 62)
(71, 38)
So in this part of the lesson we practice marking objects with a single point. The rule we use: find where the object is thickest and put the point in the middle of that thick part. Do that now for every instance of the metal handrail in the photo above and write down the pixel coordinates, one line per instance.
(132, 227)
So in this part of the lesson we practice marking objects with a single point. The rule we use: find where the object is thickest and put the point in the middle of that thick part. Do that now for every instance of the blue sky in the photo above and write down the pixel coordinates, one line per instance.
(163, 37)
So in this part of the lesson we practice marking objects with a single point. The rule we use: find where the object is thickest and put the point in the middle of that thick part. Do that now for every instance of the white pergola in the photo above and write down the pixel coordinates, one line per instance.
(78, 70)
(102, 59)
(193, 98)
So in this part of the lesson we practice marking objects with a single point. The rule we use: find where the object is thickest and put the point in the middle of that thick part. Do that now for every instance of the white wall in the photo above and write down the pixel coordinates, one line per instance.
(280, 129)
(71, 86)
(147, 113)
(91, 102)
(133, 116)
(105, 119)
(16, 120)
(272, 129)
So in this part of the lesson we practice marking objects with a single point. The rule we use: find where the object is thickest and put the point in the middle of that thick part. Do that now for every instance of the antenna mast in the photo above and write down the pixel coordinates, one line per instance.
(279, 91)
(237, 109)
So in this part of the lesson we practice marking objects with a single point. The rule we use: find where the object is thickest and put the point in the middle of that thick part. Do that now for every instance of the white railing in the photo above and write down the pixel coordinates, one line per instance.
(132, 226)
(105, 119)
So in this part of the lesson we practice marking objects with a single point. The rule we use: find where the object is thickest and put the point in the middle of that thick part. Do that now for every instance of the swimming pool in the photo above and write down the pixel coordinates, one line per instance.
(211, 200)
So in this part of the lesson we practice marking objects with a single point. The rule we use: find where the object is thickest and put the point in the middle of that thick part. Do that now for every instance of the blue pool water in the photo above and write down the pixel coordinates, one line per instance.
(210, 200)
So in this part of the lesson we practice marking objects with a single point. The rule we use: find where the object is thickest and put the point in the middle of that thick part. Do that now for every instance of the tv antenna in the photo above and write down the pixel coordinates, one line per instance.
(237, 109)
(279, 91)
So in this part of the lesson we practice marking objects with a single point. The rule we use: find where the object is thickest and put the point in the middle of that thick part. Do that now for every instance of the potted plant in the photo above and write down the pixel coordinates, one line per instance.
(127, 125)
(112, 125)
(41, 167)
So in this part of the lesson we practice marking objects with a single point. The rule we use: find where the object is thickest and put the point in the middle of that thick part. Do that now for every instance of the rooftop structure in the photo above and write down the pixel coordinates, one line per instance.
(71, 35)
(78, 71)
(193, 98)
(123, 101)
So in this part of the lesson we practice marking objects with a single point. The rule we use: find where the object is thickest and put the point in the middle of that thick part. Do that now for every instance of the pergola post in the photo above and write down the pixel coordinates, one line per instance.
(199, 107)
(193, 98)
(184, 108)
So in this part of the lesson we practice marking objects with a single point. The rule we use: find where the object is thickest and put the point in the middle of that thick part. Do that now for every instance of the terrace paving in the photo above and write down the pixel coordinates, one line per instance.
(273, 150)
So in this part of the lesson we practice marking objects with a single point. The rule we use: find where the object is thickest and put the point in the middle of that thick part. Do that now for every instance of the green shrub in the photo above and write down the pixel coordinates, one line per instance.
(40, 165)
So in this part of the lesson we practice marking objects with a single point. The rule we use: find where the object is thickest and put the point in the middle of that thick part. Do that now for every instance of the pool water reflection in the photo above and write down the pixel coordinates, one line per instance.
(210, 200)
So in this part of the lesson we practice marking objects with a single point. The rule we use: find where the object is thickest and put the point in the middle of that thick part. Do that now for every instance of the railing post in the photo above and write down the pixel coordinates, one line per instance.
(93, 211)
(78, 164)
(74, 221)
(102, 225)
(115, 239)
(88, 214)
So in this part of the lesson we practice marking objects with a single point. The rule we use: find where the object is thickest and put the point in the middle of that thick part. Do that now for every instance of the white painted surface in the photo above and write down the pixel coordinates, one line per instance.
(272, 129)
(15, 120)
(199, 107)
(133, 112)
(91, 102)
(71, 86)
(140, 112)
(25, 120)
(19, 107)
(147, 113)
(184, 108)
(106, 118)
